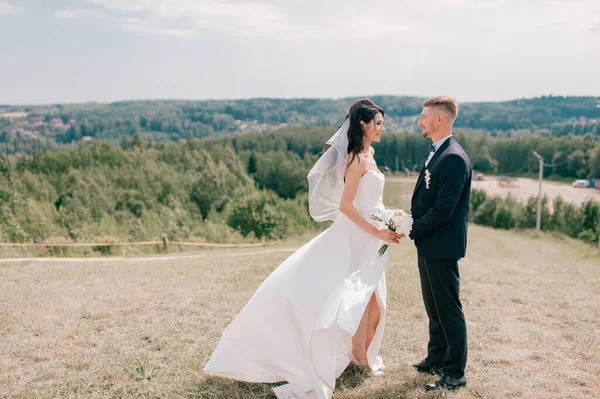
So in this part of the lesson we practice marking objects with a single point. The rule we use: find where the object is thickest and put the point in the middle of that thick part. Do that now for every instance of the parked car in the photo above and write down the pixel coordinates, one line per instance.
(505, 181)
(479, 176)
(581, 183)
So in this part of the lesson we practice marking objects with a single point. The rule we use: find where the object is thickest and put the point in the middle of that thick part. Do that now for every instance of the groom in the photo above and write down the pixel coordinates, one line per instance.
(440, 208)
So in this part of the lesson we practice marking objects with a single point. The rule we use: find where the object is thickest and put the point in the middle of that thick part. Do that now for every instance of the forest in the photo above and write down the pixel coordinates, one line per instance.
(136, 171)
(45, 127)
(248, 187)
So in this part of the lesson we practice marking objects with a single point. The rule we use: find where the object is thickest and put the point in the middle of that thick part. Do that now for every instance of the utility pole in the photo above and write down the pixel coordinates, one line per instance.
(538, 221)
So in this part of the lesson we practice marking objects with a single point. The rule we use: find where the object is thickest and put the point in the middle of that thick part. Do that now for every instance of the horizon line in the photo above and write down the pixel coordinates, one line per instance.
(166, 99)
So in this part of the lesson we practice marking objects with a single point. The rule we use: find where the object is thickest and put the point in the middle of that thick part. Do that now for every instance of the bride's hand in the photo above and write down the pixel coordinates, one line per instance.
(388, 236)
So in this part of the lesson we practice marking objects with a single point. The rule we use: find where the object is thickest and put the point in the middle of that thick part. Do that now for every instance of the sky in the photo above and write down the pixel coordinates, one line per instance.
(65, 51)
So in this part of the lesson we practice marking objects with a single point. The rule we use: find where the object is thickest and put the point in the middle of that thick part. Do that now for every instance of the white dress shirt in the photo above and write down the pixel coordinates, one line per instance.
(436, 145)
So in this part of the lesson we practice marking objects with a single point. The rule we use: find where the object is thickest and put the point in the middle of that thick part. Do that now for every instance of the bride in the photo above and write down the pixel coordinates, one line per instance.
(325, 305)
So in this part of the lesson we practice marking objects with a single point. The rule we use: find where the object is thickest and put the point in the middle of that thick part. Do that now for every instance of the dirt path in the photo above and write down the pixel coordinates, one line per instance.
(524, 189)
(151, 258)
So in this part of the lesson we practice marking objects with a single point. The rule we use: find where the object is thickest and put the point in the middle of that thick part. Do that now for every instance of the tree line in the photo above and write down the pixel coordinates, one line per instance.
(281, 160)
(576, 221)
(182, 120)
(576, 157)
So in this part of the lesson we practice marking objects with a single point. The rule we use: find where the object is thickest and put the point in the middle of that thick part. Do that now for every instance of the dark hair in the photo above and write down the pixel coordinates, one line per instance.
(363, 110)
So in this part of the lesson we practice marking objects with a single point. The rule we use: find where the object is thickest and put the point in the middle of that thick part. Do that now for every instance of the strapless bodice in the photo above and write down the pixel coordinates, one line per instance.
(369, 196)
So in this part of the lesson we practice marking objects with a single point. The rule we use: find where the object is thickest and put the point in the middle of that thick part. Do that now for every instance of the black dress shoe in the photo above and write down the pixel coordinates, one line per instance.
(448, 383)
(428, 368)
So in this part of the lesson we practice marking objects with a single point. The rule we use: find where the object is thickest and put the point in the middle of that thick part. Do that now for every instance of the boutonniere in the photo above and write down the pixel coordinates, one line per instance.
(427, 178)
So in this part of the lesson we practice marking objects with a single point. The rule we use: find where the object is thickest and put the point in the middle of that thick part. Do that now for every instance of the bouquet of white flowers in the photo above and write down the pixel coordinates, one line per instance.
(396, 220)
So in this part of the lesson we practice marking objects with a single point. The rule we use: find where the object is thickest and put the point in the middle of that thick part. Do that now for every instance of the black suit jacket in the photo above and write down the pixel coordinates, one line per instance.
(441, 212)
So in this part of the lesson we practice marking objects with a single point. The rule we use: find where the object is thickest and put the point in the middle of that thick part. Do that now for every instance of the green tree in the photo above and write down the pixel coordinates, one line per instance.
(528, 215)
(478, 197)
(557, 221)
(132, 201)
(594, 163)
(506, 214)
(136, 141)
(284, 173)
(591, 216)
(577, 164)
(573, 218)
(485, 214)
(252, 164)
(484, 162)
(259, 213)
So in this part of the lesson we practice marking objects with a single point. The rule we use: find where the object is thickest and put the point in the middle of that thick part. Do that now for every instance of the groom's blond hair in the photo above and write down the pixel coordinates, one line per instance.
(446, 104)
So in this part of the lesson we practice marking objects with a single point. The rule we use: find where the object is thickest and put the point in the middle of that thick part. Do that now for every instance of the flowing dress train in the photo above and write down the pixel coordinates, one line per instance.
(298, 325)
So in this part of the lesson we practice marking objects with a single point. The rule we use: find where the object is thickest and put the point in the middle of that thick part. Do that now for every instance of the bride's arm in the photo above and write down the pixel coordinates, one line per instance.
(353, 175)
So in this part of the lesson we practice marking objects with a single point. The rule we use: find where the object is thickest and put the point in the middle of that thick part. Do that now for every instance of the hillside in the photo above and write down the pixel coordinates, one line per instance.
(25, 128)
(245, 187)
(103, 193)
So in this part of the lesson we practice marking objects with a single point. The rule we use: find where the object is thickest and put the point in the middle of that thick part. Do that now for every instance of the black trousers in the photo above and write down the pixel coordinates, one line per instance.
(440, 285)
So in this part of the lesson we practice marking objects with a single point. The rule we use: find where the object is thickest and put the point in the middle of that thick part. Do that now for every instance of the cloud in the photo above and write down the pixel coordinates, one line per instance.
(264, 18)
(336, 20)
(577, 15)
(133, 24)
(9, 9)
(125, 6)
(78, 13)
(151, 16)
(471, 3)
(138, 25)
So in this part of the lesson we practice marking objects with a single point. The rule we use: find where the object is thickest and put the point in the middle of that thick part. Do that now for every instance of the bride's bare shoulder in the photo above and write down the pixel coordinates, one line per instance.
(356, 164)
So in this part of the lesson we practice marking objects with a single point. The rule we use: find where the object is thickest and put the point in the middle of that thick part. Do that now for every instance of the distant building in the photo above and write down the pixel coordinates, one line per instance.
(36, 120)
(56, 122)
(11, 116)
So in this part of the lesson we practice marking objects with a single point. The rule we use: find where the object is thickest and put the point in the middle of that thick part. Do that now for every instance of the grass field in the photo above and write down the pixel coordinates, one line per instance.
(144, 328)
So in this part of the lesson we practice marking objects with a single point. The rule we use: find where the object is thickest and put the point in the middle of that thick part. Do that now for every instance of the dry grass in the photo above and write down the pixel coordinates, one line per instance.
(145, 329)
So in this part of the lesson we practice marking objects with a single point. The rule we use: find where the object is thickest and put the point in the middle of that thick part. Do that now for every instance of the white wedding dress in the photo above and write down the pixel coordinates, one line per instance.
(299, 324)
